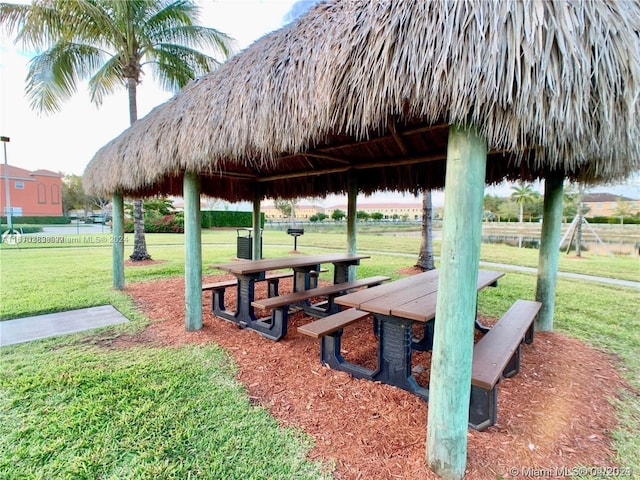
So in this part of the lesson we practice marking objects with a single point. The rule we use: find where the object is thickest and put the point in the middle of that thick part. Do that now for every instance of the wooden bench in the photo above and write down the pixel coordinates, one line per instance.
(272, 279)
(332, 323)
(280, 305)
(497, 355)
(329, 331)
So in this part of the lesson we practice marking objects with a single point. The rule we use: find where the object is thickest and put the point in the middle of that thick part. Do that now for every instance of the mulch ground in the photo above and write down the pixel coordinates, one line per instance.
(554, 413)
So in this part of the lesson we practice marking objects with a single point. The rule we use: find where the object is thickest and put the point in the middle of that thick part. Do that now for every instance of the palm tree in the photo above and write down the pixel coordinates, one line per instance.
(110, 43)
(523, 194)
(425, 257)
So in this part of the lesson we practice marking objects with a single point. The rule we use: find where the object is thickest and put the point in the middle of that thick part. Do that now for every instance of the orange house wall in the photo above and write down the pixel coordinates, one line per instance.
(41, 195)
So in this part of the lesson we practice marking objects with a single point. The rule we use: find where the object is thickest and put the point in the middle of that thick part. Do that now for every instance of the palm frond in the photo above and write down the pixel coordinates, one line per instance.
(36, 26)
(13, 17)
(106, 80)
(174, 66)
(197, 36)
(54, 74)
(173, 14)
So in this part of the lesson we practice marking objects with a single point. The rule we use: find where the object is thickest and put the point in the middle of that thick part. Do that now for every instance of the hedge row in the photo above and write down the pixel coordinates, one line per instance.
(635, 220)
(163, 224)
(218, 218)
(22, 228)
(37, 220)
(175, 223)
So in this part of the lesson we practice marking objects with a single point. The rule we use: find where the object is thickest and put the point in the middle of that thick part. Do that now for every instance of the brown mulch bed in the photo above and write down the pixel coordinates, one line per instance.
(142, 263)
(554, 413)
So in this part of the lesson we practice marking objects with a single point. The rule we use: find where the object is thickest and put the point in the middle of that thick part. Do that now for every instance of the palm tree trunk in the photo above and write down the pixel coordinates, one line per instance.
(579, 230)
(521, 212)
(425, 257)
(139, 241)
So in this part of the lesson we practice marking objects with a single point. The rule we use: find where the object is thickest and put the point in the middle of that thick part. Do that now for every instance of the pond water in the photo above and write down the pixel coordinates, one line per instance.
(602, 247)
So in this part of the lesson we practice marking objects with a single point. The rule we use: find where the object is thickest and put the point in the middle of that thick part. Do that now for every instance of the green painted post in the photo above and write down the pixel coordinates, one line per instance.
(257, 244)
(352, 196)
(549, 253)
(450, 383)
(117, 230)
(193, 252)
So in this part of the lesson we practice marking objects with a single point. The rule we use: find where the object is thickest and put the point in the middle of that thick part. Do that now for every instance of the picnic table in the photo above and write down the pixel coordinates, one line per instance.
(396, 306)
(305, 269)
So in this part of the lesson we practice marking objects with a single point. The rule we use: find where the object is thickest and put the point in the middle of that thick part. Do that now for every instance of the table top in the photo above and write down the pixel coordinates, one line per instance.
(411, 297)
(256, 266)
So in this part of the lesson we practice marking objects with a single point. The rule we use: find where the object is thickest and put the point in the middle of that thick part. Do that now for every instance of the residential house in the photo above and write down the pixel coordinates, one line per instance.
(32, 193)
(390, 211)
(609, 205)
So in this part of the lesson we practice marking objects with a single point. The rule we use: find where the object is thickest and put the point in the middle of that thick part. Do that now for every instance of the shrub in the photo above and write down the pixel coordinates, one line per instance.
(159, 224)
(218, 218)
(37, 220)
(23, 228)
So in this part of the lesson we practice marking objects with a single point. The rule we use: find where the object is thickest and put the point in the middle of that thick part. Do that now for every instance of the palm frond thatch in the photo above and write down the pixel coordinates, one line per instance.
(367, 89)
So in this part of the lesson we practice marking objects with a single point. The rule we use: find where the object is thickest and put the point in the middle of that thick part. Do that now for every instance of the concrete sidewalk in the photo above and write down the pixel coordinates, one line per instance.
(42, 326)
(532, 270)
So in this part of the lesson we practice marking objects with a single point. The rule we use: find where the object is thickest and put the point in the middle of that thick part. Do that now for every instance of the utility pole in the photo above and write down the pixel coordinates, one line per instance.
(5, 140)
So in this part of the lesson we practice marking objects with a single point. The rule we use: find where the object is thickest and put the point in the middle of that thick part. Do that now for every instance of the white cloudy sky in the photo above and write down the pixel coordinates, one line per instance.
(66, 141)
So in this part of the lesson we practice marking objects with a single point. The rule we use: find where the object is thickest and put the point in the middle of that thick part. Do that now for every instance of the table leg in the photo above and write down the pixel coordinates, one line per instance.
(341, 271)
(245, 294)
(394, 355)
(302, 280)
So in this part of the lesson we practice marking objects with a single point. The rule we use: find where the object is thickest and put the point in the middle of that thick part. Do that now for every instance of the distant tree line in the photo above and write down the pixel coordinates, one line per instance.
(525, 205)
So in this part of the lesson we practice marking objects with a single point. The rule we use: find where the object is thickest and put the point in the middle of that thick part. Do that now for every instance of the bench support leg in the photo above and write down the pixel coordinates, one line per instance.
(513, 366)
(274, 327)
(528, 337)
(218, 307)
(330, 355)
(243, 315)
(272, 287)
(483, 407)
(425, 343)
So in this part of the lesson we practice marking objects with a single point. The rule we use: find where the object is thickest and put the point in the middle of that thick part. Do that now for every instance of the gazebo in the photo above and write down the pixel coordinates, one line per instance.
(362, 96)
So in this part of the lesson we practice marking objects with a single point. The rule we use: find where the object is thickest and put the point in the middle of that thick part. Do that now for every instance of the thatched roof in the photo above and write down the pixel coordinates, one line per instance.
(368, 88)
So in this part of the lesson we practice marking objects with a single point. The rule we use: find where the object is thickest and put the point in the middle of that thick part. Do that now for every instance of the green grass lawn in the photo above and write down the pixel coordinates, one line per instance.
(73, 410)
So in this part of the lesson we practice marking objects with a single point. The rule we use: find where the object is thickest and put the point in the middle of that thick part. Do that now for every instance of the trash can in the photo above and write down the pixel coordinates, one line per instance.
(245, 243)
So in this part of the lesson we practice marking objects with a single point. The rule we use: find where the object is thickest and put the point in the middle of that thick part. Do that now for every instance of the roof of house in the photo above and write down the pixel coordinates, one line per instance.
(17, 173)
(46, 173)
(381, 206)
(604, 197)
(24, 174)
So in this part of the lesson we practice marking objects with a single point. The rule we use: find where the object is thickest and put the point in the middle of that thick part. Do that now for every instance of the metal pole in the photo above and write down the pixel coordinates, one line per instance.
(5, 140)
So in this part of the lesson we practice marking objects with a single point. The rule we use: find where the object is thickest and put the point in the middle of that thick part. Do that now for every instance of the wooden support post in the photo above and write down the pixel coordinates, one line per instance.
(257, 234)
(193, 252)
(450, 383)
(117, 230)
(549, 249)
(352, 196)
